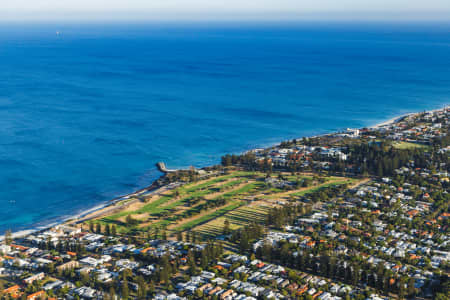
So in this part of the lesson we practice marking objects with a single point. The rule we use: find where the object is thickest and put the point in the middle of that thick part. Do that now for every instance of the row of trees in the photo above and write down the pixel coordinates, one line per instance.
(64, 246)
(281, 216)
(189, 236)
(246, 235)
(351, 272)
(247, 160)
(107, 229)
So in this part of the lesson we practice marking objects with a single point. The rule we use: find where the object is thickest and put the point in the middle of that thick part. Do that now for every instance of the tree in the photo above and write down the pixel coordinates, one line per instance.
(266, 251)
(191, 262)
(98, 228)
(8, 237)
(411, 288)
(85, 278)
(244, 243)
(142, 288)
(131, 221)
(106, 296)
(401, 288)
(107, 230)
(226, 227)
(51, 268)
(125, 291)
(204, 262)
(179, 236)
(199, 294)
(151, 288)
(164, 275)
(113, 230)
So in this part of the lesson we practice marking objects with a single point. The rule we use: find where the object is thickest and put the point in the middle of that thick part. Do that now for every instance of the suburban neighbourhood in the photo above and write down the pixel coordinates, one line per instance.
(356, 214)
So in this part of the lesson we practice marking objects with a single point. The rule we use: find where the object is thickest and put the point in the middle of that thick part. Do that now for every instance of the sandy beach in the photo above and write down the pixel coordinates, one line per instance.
(399, 118)
(391, 121)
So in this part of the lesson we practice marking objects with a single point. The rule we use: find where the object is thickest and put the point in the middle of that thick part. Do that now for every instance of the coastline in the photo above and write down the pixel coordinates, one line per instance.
(119, 202)
(392, 120)
(398, 118)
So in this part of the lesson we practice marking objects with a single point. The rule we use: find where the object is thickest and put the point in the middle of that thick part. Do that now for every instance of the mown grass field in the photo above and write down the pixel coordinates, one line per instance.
(237, 218)
(203, 206)
(407, 145)
(333, 181)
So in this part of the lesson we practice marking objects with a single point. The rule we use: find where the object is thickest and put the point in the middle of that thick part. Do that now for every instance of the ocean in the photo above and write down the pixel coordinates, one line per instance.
(87, 110)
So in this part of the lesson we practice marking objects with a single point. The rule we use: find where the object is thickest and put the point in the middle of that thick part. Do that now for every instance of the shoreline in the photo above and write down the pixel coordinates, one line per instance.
(399, 118)
(118, 202)
(392, 121)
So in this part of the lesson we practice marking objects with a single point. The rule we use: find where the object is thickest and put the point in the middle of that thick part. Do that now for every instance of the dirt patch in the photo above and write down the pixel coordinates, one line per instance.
(148, 223)
(356, 184)
(112, 209)
(141, 217)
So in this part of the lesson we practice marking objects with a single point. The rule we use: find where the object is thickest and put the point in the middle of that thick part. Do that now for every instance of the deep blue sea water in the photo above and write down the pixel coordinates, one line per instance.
(84, 115)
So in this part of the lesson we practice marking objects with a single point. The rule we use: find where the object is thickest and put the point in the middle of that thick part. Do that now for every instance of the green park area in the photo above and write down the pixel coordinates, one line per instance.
(204, 205)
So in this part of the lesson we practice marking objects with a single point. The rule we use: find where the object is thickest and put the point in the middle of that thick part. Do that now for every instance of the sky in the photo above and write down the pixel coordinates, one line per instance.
(223, 9)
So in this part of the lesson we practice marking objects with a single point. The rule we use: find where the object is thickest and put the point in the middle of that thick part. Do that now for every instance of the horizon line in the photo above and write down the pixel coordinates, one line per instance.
(143, 17)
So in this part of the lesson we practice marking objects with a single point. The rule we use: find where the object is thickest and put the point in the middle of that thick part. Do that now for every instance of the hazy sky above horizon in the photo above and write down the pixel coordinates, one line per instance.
(223, 10)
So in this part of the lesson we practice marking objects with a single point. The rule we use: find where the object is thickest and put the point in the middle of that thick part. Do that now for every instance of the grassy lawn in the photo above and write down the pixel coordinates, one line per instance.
(189, 191)
(325, 185)
(296, 177)
(180, 197)
(407, 145)
(187, 207)
(192, 187)
(239, 217)
(246, 189)
(208, 217)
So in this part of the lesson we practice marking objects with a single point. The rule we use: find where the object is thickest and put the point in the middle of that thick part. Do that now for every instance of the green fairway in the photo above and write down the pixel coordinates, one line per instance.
(195, 204)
